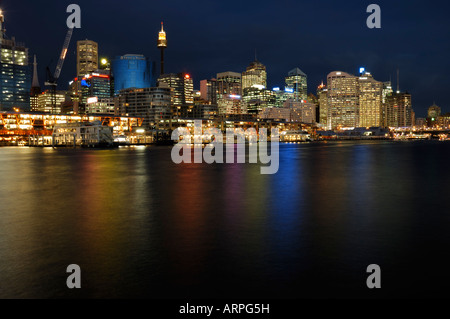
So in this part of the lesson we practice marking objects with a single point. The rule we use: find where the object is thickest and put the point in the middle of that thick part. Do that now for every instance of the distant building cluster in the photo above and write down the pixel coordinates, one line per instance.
(130, 85)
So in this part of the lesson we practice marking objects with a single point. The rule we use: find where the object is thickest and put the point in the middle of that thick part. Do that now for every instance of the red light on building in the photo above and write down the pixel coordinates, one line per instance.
(187, 76)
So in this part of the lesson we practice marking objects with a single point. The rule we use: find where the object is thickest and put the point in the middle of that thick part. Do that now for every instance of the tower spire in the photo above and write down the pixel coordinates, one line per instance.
(162, 44)
(398, 80)
(35, 74)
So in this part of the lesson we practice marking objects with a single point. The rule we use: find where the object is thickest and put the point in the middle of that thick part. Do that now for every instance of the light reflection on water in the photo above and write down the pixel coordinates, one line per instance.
(141, 226)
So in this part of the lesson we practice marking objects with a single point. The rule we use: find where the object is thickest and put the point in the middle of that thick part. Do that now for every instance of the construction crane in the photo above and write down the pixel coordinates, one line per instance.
(52, 80)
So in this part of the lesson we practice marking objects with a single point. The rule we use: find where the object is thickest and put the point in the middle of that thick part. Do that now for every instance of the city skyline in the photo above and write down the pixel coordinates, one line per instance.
(206, 53)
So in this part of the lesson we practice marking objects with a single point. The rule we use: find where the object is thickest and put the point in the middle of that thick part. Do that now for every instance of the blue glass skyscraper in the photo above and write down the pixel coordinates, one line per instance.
(133, 71)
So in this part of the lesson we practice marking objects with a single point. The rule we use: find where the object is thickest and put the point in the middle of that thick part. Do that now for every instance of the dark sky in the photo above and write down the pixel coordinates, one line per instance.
(208, 36)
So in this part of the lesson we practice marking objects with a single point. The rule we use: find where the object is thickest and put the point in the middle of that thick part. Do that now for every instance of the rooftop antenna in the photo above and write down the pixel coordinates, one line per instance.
(256, 59)
(398, 80)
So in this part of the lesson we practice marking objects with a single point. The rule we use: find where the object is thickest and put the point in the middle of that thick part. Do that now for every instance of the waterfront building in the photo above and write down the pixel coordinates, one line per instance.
(343, 100)
(302, 111)
(87, 57)
(399, 110)
(45, 101)
(132, 71)
(370, 101)
(297, 81)
(96, 105)
(15, 73)
(153, 104)
(254, 75)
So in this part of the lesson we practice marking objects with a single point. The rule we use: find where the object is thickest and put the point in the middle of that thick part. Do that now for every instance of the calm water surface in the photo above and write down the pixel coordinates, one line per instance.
(141, 226)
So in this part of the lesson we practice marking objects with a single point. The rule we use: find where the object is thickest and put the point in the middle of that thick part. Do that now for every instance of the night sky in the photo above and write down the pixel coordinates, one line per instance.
(206, 37)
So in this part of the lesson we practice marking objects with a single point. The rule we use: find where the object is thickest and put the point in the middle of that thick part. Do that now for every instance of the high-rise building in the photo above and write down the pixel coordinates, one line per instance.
(154, 104)
(399, 110)
(87, 57)
(182, 87)
(162, 45)
(46, 99)
(15, 73)
(35, 87)
(132, 71)
(297, 80)
(257, 98)
(323, 103)
(208, 91)
(96, 84)
(434, 111)
(254, 75)
(343, 100)
(229, 83)
(370, 101)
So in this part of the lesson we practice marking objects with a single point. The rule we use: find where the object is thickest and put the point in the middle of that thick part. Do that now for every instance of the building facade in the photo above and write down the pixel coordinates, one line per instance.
(370, 101)
(182, 92)
(399, 110)
(15, 73)
(132, 71)
(297, 81)
(343, 100)
(87, 57)
(254, 75)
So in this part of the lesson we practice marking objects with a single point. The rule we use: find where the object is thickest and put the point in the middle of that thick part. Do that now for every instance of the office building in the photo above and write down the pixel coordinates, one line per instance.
(208, 91)
(229, 83)
(254, 76)
(153, 104)
(182, 92)
(96, 84)
(323, 103)
(343, 100)
(45, 102)
(399, 110)
(87, 57)
(15, 73)
(132, 71)
(370, 101)
(297, 81)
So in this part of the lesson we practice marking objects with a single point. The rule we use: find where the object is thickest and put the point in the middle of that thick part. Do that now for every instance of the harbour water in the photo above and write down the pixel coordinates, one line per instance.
(140, 226)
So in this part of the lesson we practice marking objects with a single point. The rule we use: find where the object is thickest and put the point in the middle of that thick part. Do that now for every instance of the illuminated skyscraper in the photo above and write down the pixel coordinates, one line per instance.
(323, 103)
(297, 80)
(208, 90)
(343, 100)
(15, 73)
(399, 110)
(87, 57)
(132, 71)
(370, 101)
(162, 45)
(229, 83)
(182, 87)
(254, 76)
